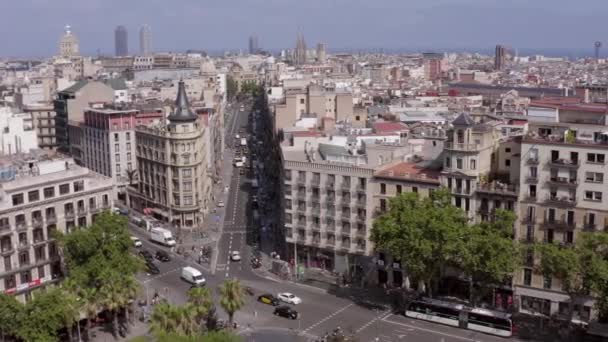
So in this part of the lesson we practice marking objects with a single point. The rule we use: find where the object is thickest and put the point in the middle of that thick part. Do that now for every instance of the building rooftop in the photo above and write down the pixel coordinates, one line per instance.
(389, 127)
(409, 171)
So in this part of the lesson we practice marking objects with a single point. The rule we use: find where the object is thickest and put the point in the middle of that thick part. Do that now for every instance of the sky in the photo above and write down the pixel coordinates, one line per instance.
(32, 27)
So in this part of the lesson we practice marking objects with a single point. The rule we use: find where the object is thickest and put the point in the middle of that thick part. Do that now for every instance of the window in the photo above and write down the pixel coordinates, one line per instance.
(459, 163)
(128, 133)
(594, 177)
(128, 146)
(17, 199)
(187, 173)
(507, 162)
(41, 272)
(508, 150)
(117, 168)
(549, 236)
(473, 164)
(116, 137)
(569, 237)
(78, 186)
(10, 282)
(187, 186)
(547, 281)
(64, 189)
(301, 101)
(117, 157)
(527, 277)
(116, 147)
(115, 126)
(415, 189)
(448, 162)
(596, 158)
(382, 188)
(33, 196)
(187, 200)
(49, 192)
(593, 196)
(129, 166)
(398, 189)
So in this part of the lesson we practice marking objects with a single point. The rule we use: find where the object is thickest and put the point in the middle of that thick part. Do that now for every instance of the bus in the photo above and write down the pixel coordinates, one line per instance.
(460, 316)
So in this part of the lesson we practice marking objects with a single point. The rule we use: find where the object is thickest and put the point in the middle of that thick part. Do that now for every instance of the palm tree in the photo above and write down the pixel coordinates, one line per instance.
(200, 298)
(112, 300)
(232, 298)
(90, 306)
(169, 319)
(130, 290)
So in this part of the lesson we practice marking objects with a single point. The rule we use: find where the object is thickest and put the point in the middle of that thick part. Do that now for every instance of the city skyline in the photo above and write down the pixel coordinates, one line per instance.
(396, 25)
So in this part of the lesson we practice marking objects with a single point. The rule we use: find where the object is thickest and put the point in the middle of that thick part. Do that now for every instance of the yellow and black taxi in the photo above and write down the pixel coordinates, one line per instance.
(269, 299)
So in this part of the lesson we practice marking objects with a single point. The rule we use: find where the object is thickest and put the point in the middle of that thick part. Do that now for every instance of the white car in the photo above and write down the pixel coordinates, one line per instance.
(235, 256)
(289, 298)
(220, 204)
(136, 242)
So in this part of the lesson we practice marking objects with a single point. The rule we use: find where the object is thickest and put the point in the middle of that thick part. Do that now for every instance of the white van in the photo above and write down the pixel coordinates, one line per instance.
(136, 241)
(162, 236)
(193, 276)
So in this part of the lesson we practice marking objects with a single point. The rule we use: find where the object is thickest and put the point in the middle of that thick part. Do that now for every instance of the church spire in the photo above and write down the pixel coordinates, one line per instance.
(182, 112)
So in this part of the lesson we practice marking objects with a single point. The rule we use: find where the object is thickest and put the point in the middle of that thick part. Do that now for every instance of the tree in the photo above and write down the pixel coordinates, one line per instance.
(200, 298)
(90, 306)
(232, 298)
(424, 233)
(232, 87)
(593, 253)
(489, 255)
(42, 317)
(170, 319)
(112, 299)
(11, 310)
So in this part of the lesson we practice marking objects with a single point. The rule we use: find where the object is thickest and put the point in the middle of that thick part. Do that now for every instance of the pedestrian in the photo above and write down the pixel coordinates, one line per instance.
(255, 313)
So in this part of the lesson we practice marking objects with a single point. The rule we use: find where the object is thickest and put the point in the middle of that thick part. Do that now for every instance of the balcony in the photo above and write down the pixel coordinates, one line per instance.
(330, 198)
(461, 191)
(532, 161)
(360, 219)
(301, 225)
(330, 212)
(301, 210)
(82, 211)
(21, 225)
(558, 224)
(591, 227)
(564, 201)
(462, 147)
(379, 211)
(528, 220)
(531, 179)
(330, 242)
(301, 181)
(301, 195)
(360, 248)
(345, 245)
(6, 248)
(498, 188)
(315, 182)
(316, 242)
(345, 200)
(315, 227)
(316, 210)
(51, 218)
(301, 239)
(529, 198)
(329, 185)
(5, 226)
(330, 227)
(361, 188)
(361, 203)
(346, 215)
(361, 233)
(315, 199)
(345, 186)
(69, 214)
(565, 163)
(563, 181)
(93, 209)
(37, 222)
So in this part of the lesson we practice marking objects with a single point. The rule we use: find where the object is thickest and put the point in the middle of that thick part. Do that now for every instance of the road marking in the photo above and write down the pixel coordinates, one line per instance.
(220, 267)
(378, 317)
(327, 318)
(385, 319)
(160, 275)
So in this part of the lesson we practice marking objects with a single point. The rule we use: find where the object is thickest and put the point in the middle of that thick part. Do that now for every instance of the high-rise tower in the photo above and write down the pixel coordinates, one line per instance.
(300, 51)
(121, 44)
(598, 46)
(68, 44)
(321, 52)
(500, 57)
(253, 44)
(144, 40)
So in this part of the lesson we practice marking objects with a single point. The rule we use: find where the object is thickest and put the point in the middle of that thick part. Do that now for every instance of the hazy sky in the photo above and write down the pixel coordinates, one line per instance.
(33, 27)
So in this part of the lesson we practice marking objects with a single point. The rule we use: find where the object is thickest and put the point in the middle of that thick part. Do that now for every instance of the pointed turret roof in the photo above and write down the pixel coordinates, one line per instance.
(463, 120)
(182, 112)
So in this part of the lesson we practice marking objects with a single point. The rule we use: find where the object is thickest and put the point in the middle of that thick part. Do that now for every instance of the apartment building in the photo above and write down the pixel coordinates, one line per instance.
(563, 194)
(41, 194)
(43, 119)
(106, 143)
(174, 174)
(388, 182)
(17, 134)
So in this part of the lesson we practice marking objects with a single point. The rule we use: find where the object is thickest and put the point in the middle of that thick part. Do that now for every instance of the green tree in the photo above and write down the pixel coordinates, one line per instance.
(424, 233)
(90, 306)
(11, 311)
(593, 252)
(489, 255)
(42, 317)
(112, 299)
(200, 298)
(232, 298)
(171, 319)
(232, 87)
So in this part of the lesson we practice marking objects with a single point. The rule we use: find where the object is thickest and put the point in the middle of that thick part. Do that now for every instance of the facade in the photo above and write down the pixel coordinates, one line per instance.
(68, 45)
(145, 37)
(500, 57)
(175, 181)
(107, 142)
(563, 194)
(143, 63)
(17, 133)
(71, 103)
(434, 65)
(43, 119)
(41, 195)
(121, 42)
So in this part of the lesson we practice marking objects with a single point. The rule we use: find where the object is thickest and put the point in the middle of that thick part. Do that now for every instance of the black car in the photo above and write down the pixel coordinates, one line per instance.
(151, 268)
(286, 311)
(269, 299)
(162, 256)
(146, 255)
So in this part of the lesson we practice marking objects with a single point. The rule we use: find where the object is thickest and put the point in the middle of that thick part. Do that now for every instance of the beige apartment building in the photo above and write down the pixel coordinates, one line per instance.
(41, 194)
(563, 194)
(175, 178)
(43, 120)
(313, 101)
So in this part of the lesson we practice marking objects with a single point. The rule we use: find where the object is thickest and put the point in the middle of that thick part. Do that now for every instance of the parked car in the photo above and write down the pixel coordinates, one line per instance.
(162, 256)
(220, 204)
(269, 299)
(151, 268)
(136, 241)
(289, 298)
(146, 255)
(286, 311)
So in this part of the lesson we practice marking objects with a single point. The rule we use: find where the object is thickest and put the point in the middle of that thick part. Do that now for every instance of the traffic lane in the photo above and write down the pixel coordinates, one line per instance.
(415, 326)
(352, 318)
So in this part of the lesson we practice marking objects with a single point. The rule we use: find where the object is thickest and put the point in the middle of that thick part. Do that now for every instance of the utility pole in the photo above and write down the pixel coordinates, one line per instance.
(295, 260)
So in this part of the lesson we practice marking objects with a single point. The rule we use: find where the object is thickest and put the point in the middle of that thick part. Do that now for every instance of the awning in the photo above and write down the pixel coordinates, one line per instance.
(160, 212)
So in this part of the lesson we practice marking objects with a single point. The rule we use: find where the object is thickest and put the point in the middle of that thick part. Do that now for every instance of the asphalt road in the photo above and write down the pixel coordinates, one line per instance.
(319, 312)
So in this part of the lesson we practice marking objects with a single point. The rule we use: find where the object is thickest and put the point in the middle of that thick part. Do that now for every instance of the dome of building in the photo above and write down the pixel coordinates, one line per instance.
(208, 67)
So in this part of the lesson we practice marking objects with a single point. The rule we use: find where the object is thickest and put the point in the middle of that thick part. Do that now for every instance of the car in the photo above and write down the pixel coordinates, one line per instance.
(289, 298)
(235, 256)
(136, 241)
(151, 268)
(226, 188)
(286, 311)
(146, 255)
(162, 256)
(220, 204)
(269, 299)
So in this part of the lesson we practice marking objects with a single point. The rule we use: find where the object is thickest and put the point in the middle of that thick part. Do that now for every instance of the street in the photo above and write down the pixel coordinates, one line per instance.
(319, 311)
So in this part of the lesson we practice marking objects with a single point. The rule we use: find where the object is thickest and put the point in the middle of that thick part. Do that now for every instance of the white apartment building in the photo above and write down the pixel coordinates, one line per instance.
(41, 194)
(17, 134)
